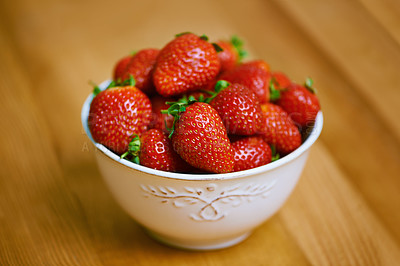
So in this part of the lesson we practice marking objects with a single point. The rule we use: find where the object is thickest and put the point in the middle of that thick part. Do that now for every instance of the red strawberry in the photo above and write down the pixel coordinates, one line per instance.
(185, 64)
(140, 66)
(161, 121)
(228, 57)
(253, 75)
(259, 64)
(232, 53)
(116, 114)
(153, 149)
(281, 131)
(251, 152)
(200, 138)
(300, 103)
(239, 109)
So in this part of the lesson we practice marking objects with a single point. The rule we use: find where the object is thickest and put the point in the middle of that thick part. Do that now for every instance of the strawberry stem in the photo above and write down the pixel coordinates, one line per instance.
(217, 48)
(219, 86)
(201, 97)
(238, 45)
(114, 83)
(176, 108)
(128, 82)
(309, 85)
(133, 150)
(96, 88)
(204, 37)
(275, 155)
(205, 99)
(181, 34)
(274, 93)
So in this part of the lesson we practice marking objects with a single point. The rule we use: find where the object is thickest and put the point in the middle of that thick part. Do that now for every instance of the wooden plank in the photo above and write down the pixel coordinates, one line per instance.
(385, 12)
(331, 221)
(40, 222)
(360, 46)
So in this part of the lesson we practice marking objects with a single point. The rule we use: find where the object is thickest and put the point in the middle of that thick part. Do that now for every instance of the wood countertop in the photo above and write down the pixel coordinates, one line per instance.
(54, 206)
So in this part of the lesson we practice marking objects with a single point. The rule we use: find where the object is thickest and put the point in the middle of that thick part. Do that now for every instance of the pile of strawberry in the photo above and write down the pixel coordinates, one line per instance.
(195, 107)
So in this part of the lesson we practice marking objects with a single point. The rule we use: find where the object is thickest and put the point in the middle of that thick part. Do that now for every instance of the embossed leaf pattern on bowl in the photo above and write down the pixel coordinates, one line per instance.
(209, 201)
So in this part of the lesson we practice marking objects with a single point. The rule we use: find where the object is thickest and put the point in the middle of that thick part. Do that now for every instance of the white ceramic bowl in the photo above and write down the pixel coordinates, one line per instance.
(201, 211)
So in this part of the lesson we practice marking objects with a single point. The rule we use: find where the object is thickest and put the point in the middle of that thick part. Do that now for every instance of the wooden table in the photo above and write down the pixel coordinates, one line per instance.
(55, 208)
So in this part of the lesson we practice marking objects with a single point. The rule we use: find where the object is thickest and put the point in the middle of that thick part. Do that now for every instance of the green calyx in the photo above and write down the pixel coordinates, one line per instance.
(176, 108)
(128, 82)
(309, 85)
(182, 33)
(202, 98)
(274, 94)
(219, 86)
(238, 45)
(275, 154)
(204, 37)
(133, 150)
(96, 88)
(114, 83)
(217, 48)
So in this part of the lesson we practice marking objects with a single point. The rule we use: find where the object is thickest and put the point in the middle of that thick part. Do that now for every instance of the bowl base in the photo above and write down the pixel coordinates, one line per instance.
(199, 245)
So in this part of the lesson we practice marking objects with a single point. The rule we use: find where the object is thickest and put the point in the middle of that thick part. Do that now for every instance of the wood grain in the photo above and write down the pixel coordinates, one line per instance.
(357, 38)
(38, 215)
(56, 210)
(334, 231)
(356, 133)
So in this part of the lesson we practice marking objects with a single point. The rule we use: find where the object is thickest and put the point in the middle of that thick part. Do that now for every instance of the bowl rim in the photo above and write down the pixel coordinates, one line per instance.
(313, 136)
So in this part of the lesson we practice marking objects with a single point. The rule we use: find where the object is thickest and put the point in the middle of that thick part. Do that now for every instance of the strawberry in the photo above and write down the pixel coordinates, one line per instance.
(116, 114)
(232, 53)
(140, 65)
(281, 130)
(153, 149)
(239, 109)
(200, 137)
(187, 63)
(261, 64)
(301, 103)
(251, 152)
(253, 75)
(160, 121)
